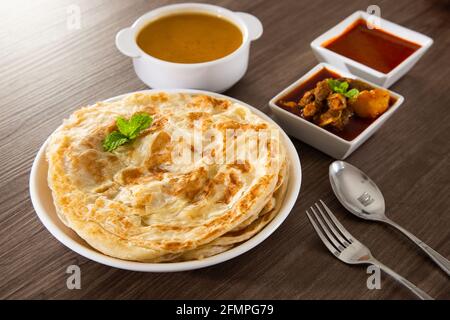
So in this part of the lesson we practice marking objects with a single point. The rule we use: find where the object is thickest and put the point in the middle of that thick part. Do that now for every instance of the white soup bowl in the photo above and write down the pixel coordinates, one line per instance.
(217, 75)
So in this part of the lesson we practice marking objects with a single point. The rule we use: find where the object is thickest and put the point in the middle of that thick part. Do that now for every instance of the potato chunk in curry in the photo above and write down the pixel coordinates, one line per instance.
(370, 103)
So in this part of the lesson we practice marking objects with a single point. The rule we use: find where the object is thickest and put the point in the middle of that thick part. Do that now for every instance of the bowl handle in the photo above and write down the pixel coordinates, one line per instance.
(126, 44)
(254, 26)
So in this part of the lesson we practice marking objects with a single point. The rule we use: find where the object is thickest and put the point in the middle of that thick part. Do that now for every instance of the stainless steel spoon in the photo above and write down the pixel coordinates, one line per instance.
(361, 196)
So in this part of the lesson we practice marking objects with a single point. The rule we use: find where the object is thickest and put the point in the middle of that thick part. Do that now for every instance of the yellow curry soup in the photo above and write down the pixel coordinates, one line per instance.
(189, 37)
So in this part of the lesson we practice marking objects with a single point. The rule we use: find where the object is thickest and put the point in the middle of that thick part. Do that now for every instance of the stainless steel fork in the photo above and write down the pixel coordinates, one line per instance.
(347, 248)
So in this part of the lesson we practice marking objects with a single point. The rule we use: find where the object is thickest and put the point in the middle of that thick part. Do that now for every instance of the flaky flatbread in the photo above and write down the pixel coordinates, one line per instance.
(141, 202)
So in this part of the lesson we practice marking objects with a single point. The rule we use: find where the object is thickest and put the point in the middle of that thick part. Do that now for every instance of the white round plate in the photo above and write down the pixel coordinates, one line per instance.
(42, 200)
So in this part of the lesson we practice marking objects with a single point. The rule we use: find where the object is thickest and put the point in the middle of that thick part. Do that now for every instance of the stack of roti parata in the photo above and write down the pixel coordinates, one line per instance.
(184, 189)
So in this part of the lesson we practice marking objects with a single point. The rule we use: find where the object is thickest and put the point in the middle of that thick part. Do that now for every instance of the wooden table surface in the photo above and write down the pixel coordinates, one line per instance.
(48, 71)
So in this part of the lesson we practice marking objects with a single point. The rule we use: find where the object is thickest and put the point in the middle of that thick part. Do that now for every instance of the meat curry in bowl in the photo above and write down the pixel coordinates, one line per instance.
(343, 106)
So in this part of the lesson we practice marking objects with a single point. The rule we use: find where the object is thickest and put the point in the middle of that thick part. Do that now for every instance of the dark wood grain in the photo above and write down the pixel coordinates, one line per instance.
(47, 71)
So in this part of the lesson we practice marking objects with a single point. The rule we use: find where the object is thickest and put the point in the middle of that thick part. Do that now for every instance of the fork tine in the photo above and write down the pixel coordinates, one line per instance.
(330, 235)
(322, 236)
(332, 228)
(336, 222)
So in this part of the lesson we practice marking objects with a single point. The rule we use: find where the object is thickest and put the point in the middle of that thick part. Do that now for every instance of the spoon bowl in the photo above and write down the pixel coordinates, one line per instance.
(361, 196)
(356, 191)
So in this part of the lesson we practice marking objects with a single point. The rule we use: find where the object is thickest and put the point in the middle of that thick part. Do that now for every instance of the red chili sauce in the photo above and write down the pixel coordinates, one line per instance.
(374, 48)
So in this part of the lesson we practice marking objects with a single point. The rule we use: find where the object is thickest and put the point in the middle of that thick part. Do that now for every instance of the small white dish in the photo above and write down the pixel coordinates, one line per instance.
(318, 137)
(217, 75)
(358, 69)
(42, 200)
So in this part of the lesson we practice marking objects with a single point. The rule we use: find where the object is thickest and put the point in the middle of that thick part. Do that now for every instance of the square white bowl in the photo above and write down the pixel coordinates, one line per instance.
(358, 69)
(321, 138)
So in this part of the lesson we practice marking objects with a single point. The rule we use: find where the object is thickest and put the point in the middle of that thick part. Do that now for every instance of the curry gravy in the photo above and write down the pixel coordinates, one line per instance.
(189, 37)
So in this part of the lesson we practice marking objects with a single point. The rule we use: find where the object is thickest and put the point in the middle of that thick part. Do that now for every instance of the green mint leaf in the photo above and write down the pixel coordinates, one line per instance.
(128, 130)
(114, 140)
(123, 126)
(352, 93)
(343, 86)
(138, 123)
(135, 125)
(333, 84)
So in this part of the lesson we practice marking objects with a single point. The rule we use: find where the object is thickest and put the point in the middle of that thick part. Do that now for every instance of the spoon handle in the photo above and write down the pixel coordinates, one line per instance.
(417, 291)
(442, 262)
